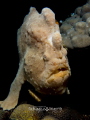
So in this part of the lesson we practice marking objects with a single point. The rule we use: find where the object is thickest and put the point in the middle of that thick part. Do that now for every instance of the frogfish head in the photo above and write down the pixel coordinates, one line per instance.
(46, 63)
(47, 66)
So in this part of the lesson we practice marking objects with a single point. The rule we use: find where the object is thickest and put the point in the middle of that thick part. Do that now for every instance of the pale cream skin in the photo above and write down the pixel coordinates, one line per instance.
(43, 61)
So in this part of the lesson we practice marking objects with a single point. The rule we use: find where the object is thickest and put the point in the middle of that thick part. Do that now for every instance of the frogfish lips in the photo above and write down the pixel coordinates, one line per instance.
(58, 77)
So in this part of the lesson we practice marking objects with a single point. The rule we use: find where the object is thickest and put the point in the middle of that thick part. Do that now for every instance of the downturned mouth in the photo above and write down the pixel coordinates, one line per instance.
(58, 74)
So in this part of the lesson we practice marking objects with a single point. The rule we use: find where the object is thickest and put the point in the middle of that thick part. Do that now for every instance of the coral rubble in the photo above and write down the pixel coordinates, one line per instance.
(25, 112)
(76, 29)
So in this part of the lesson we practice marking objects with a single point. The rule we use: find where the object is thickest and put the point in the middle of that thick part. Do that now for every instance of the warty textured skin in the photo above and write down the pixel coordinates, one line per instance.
(43, 60)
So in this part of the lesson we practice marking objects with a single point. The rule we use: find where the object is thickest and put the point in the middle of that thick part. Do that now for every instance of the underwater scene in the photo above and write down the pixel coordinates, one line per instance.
(45, 60)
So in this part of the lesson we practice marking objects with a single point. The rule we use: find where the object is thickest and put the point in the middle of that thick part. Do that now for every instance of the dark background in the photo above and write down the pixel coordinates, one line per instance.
(12, 14)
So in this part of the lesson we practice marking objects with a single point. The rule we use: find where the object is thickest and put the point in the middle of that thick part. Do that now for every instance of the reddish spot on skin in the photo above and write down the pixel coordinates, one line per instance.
(57, 22)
